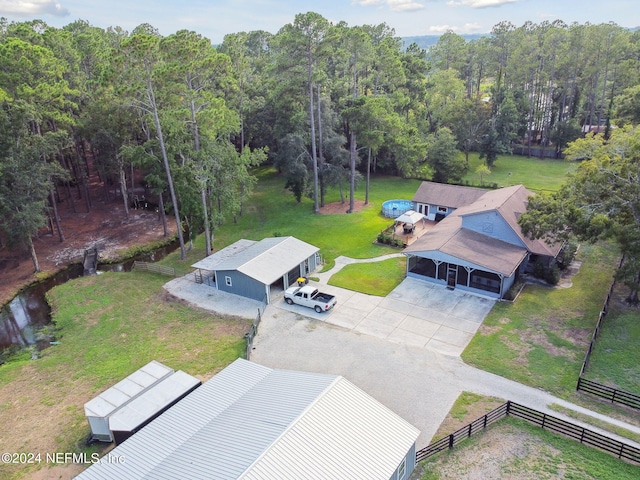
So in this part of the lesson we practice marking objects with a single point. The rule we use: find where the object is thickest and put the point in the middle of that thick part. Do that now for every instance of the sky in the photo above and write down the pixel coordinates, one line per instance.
(216, 18)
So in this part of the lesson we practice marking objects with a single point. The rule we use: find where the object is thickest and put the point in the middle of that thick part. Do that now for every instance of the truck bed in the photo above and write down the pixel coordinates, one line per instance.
(323, 297)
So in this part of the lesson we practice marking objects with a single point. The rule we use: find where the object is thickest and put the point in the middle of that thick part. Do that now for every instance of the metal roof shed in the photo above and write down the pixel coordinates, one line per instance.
(130, 404)
(253, 269)
(254, 422)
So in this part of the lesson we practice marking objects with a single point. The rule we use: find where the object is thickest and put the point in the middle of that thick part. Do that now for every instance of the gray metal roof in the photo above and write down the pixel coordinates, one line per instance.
(265, 261)
(127, 389)
(346, 433)
(212, 261)
(250, 422)
(150, 402)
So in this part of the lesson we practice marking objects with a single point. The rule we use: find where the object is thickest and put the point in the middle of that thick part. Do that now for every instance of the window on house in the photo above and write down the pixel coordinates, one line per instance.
(442, 209)
(402, 469)
(227, 280)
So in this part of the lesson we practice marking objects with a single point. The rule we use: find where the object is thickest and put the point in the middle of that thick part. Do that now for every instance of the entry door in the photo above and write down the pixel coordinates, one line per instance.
(452, 273)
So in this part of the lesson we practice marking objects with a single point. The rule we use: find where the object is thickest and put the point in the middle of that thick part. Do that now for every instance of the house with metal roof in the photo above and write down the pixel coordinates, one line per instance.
(259, 269)
(253, 422)
(477, 246)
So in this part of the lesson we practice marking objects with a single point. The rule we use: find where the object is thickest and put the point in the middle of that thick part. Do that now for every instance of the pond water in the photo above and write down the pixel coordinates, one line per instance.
(24, 319)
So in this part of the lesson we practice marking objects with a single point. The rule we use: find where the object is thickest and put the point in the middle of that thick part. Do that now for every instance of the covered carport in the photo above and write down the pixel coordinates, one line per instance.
(259, 270)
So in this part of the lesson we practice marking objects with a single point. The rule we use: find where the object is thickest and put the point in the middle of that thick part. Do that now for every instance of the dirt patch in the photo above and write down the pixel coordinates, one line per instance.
(488, 330)
(540, 338)
(477, 407)
(522, 350)
(38, 411)
(339, 207)
(503, 452)
(105, 227)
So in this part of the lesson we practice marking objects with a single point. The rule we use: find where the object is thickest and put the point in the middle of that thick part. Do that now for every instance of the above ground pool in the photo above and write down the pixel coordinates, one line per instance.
(395, 208)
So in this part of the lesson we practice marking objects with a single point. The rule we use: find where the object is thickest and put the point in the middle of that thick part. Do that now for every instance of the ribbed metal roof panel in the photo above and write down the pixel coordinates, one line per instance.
(152, 401)
(253, 422)
(127, 389)
(212, 261)
(265, 261)
(158, 441)
(232, 441)
(345, 434)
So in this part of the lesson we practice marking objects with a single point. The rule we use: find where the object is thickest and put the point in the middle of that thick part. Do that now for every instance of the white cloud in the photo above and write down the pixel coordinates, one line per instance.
(32, 8)
(395, 5)
(466, 28)
(404, 5)
(479, 3)
(367, 3)
(441, 28)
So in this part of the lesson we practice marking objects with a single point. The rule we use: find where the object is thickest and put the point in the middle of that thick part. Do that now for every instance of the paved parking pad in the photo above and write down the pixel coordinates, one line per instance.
(415, 313)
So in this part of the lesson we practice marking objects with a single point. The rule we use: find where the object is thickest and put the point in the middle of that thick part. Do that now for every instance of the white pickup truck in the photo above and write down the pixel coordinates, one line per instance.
(310, 297)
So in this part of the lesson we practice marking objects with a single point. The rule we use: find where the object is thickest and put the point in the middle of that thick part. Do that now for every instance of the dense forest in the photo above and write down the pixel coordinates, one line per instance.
(327, 104)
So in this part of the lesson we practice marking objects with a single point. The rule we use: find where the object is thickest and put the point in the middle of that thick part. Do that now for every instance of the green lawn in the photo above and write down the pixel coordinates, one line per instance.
(533, 173)
(375, 278)
(273, 210)
(540, 340)
(614, 360)
(108, 326)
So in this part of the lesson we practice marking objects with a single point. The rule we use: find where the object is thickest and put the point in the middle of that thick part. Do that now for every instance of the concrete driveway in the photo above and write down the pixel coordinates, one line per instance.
(415, 313)
(376, 343)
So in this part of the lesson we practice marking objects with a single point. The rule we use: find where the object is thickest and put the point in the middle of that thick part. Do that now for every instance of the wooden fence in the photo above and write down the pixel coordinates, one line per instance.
(571, 430)
(253, 330)
(456, 437)
(568, 429)
(609, 393)
(154, 268)
(603, 391)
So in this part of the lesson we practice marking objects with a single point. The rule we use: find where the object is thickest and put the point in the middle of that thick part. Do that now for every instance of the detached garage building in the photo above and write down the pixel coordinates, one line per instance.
(254, 422)
(259, 270)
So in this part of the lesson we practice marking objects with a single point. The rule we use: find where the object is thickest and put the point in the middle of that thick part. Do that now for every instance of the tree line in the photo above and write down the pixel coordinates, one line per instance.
(328, 104)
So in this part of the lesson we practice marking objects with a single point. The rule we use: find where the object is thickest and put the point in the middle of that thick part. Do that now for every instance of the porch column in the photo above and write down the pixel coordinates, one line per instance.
(469, 270)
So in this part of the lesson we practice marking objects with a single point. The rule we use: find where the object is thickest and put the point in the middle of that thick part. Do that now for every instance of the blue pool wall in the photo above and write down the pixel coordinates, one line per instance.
(395, 208)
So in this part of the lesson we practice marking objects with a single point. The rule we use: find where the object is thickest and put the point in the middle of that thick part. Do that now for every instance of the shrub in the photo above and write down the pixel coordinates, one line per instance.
(567, 255)
(513, 290)
(389, 240)
(538, 269)
(552, 275)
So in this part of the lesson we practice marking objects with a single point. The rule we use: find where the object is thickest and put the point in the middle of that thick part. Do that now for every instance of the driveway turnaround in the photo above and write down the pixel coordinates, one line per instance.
(402, 349)
(418, 384)
(415, 313)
